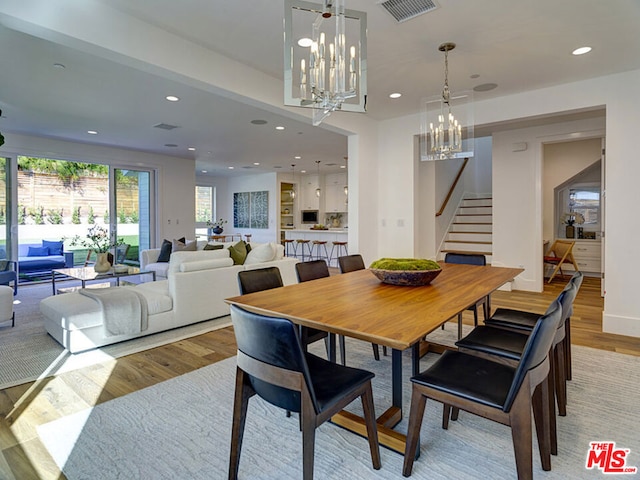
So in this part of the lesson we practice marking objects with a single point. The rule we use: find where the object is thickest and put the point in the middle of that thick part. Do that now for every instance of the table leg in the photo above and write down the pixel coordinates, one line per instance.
(53, 281)
(332, 347)
(396, 378)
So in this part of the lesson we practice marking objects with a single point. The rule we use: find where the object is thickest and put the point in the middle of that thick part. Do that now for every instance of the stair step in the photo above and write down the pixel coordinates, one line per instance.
(469, 241)
(475, 210)
(475, 252)
(470, 236)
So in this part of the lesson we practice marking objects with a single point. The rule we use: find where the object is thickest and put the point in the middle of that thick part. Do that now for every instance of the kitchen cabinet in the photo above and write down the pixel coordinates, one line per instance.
(309, 200)
(335, 199)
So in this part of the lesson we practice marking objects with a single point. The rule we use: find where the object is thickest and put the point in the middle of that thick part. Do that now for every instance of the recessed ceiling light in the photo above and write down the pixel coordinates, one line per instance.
(92, 132)
(204, 171)
(230, 168)
(170, 145)
(485, 87)
(581, 50)
(279, 127)
(343, 166)
(256, 163)
(303, 171)
(59, 65)
(172, 98)
(259, 122)
(297, 157)
(305, 42)
(192, 149)
(395, 95)
(475, 75)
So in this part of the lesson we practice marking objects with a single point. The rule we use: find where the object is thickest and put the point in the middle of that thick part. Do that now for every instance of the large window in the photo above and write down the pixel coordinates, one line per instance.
(586, 200)
(204, 204)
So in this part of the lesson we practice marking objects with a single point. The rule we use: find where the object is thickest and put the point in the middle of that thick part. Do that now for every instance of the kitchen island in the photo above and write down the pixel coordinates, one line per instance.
(330, 236)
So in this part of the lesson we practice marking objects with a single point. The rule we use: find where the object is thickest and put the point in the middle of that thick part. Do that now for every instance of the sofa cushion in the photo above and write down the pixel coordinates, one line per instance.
(260, 254)
(210, 246)
(38, 252)
(180, 246)
(238, 252)
(165, 251)
(206, 264)
(55, 248)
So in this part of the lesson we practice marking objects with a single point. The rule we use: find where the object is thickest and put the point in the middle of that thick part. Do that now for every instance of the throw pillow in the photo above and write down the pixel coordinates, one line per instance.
(260, 254)
(165, 251)
(209, 246)
(238, 252)
(38, 252)
(180, 246)
(55, 248)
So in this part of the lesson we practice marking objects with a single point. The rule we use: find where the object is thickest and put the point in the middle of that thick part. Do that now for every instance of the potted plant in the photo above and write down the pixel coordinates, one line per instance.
(216, 227)
(98, 240)
(405, 271)
(569, 219)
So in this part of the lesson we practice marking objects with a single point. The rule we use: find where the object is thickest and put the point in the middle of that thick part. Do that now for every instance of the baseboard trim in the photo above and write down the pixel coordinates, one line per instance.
(619, 325)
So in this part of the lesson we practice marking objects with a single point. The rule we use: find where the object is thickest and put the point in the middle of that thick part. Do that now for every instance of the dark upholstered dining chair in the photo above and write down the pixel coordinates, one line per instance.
(251, 281)
(523, 322)
(470, 259)
(352, 263)
(505, 395)
(306, 272)
(273, 365)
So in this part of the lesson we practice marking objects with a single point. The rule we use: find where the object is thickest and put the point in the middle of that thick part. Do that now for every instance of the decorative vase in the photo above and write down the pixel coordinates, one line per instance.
(569, 231)
(102, 264)
(217, 230)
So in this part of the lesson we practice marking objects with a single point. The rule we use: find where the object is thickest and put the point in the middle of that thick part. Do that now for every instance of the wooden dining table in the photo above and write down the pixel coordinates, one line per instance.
(358, 305)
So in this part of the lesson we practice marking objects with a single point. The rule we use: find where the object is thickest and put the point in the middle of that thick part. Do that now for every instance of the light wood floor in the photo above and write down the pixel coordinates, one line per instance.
(24, 407)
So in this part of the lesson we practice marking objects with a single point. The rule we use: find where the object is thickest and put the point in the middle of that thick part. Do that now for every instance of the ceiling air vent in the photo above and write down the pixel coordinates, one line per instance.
(403, 10)
(165, 126)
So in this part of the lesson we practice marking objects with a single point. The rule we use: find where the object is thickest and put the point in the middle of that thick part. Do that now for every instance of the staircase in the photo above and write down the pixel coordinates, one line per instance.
(471, 229)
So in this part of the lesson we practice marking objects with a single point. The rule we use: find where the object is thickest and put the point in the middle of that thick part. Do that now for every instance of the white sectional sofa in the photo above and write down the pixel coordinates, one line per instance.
(195, 288)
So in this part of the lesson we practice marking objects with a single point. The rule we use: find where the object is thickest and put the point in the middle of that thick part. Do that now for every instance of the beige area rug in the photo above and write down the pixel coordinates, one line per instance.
(180, 428)
(28, 353)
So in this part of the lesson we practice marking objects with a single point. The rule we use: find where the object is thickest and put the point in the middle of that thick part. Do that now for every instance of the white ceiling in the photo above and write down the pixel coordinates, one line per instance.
(517, 45)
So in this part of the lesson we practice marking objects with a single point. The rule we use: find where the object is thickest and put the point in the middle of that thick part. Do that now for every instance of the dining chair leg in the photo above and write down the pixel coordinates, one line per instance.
(418, 403)
(460, 326)
(522, 436)
(372, 429)
(551, 406)
(567, 347)
(376, 351)
(561, 385)
(243, 392)
(540, 405)
(308, 439)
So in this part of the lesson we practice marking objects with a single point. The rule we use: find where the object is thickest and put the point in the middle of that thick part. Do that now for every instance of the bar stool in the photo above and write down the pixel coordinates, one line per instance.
(340, 249)
(248, 237)
(316, 246)
(301, 243)
(287, 242)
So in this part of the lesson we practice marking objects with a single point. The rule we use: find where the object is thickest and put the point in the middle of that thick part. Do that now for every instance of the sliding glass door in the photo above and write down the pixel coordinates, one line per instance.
(131, 205)
(5, 208)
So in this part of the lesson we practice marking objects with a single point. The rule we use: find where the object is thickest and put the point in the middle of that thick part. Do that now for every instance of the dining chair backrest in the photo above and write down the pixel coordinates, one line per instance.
(465, 258)
(535, 350)
(121, 252)
(274, 341)
(260, 279)
(567, 296)
(311, 270)
(351, 263)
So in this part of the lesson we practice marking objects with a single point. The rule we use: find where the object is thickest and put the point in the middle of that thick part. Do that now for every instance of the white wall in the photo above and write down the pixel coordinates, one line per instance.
(175, 177)
(562, 161)
(478, 174)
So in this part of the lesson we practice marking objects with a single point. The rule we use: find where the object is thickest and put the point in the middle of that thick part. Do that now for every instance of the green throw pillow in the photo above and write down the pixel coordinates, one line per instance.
(238, 252)
(208, 246)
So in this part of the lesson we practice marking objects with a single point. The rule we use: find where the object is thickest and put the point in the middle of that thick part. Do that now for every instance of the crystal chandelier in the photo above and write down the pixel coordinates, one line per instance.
(447, 120)
(327, 71)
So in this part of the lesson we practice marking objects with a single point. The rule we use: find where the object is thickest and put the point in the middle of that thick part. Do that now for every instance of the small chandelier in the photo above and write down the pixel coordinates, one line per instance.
(328, 71)
(318, 191)
(292, 192)
(447, 120)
